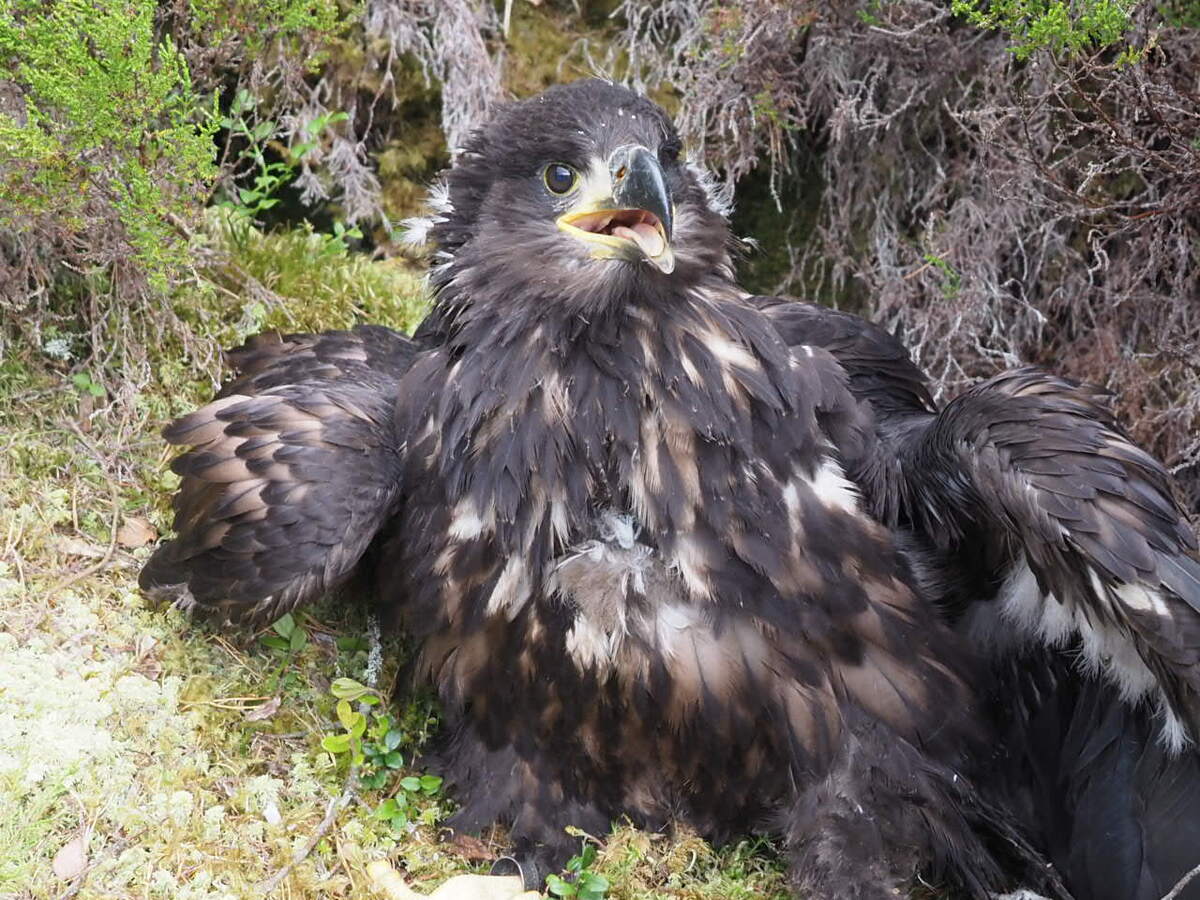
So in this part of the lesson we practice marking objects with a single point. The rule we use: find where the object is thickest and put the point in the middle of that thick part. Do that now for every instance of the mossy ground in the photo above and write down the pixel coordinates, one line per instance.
(131, 728)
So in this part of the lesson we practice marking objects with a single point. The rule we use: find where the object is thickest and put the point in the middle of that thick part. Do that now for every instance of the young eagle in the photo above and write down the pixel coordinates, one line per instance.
(610, 496)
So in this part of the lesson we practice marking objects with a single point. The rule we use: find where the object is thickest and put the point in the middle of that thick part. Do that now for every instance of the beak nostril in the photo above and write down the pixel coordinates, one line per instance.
(620, 173)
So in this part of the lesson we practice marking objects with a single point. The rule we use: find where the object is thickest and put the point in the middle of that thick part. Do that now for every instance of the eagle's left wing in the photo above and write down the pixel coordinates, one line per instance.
(1035, 495)
(292, 470)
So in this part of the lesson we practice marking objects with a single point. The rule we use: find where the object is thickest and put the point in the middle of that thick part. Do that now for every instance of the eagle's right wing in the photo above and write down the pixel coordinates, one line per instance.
(1102, 553)
(1034, 498)
(292, 471)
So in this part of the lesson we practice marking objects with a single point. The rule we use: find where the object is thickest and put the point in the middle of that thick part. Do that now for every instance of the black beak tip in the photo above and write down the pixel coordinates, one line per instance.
(639, 183)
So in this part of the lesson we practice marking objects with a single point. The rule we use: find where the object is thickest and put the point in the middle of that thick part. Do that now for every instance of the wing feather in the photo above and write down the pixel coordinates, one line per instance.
(1027, 469)
(1099, 527)
(291, 472)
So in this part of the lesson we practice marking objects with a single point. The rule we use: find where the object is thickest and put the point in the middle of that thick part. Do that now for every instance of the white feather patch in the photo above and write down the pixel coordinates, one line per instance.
(465, 522)
(593, 644)
(618, 528)
(596, 578)
(718, 194)
(416, 229)
(672, 622)
(791, 499)
(832, 487)
(511, 591)
(1143, 599)
(690, 563)
(729, 353)
(1105, 649)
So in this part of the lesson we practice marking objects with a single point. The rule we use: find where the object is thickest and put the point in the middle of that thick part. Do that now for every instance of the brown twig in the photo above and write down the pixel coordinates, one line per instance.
(114, 524)
(336, 805)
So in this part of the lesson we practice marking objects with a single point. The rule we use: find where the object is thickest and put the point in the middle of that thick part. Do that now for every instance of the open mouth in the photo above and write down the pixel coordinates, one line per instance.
(621, 227)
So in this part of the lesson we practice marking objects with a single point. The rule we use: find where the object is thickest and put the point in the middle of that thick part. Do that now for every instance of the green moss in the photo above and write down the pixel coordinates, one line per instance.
(23, 837)
(648, 867)
(1180, 13)
(311, 283)
(757, 215)
(545, 46)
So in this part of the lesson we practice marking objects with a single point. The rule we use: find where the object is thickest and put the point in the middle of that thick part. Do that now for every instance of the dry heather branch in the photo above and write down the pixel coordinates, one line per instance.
(994, 211)
(739, 57)
(453, 43)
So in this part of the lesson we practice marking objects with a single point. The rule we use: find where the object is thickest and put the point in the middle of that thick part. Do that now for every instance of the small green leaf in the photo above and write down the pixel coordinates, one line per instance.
(348, 689)
(592, 886)
(346, 714)
(275, 643)
(298, 639)
(431, 783)
(369, 699)
(336, 743)
(393, 760)
(83, 381)
(393, 739)
(558, 887)
(285, 625)
(411, 783)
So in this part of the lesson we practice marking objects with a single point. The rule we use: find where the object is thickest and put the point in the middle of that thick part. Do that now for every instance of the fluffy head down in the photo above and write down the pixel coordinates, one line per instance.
(498, 222)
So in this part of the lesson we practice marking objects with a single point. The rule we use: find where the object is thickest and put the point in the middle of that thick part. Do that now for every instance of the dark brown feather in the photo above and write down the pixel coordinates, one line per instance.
(292, 471)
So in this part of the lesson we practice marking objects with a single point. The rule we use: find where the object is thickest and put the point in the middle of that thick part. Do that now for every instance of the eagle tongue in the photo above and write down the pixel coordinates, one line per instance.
(645, 236)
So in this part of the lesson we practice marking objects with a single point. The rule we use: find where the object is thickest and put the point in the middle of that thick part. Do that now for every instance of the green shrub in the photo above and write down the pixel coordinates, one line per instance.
(303, 26)
(1052, 25)
(106, 144)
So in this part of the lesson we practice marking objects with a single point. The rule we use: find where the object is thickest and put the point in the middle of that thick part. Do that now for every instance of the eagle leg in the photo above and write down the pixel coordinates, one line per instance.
(524, 793)
(884, 812)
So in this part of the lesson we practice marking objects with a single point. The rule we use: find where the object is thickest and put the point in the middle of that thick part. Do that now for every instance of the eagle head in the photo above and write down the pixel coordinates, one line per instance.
(576, 197)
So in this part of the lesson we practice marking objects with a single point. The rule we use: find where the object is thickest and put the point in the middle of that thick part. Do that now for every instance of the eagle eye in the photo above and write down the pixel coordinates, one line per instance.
(560, 178)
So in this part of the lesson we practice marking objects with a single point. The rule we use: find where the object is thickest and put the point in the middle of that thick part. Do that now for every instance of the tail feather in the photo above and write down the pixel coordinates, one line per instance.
(1118, 813)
